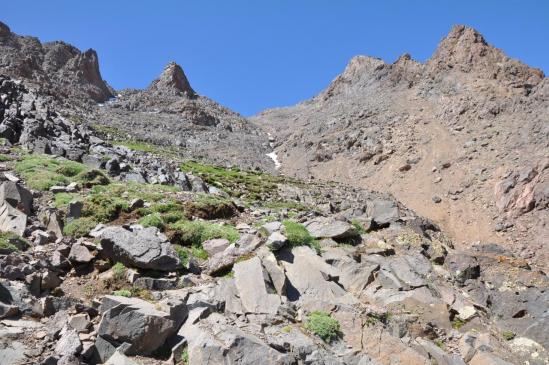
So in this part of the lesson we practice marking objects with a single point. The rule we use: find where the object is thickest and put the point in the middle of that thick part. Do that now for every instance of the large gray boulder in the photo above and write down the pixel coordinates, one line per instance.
(382, 212)
(255, 287)
(330, 228)
(144, 326)
(12, 219)
(143, 248)
(17, 196)
(214, 341)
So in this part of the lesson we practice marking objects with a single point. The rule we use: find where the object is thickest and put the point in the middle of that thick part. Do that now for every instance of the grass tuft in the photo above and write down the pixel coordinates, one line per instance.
(323, 325)
(193, 233)
(298, 235)
(11, 242)
(79, 227)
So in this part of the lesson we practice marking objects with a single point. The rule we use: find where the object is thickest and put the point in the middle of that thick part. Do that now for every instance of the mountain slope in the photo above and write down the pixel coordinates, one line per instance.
(450, 138)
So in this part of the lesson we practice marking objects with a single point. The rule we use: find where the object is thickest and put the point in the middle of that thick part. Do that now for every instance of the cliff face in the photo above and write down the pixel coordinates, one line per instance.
(441, 136)
(58, 68)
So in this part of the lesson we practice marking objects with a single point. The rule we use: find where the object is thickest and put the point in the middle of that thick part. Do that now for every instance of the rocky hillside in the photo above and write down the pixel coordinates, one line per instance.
(461, 139)
(115, 256)
(120, 245)
(169, 113)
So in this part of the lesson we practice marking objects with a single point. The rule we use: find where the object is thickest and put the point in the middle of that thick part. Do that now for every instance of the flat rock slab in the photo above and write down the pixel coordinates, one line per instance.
(252, 283)
(331, 228)
(143, 248)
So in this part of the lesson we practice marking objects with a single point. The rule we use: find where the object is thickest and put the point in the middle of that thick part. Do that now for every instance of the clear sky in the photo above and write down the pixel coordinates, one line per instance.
(254, 54)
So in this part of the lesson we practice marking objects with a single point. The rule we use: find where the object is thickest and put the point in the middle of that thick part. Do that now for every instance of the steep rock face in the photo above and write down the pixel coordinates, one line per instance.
(57, 67)
(441, 136)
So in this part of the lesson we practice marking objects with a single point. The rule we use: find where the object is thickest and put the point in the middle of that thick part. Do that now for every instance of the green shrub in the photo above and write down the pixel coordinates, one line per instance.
(103, 207)
(79, 227)
(11, 242)
(152, 220)
(193, 233)
(119, 271)
(199, 253)
(457, 323)
(4, 158)
(172, 217)
(508, 335)
(123, 293)
(323, 325)
(358, 226)
(61, 200)
(298, 235)
(183, 254)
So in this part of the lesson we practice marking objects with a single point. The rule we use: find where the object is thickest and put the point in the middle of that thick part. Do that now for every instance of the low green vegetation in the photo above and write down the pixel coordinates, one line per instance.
(440, 344)
(119, 271)
(185, 356)
(105, 203)
(183, 253)
(251, 185)
(4, 158)
(122, 293)
(193, 233)
(63, 199)
(298, 235)
(152, 220)
(323, 325)
(79, 227)
(358, 226)
(287, 205)
(508, 335)
(43, 171)
(457, 323)
(11, 242)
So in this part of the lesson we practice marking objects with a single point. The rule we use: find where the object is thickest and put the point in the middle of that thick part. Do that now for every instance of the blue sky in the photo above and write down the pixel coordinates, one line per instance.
(251, 54)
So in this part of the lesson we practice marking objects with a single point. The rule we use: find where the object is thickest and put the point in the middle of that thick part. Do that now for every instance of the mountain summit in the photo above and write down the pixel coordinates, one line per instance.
(172, 81)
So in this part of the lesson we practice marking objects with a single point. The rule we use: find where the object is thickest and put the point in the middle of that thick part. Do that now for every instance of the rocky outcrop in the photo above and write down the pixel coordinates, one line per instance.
(172, 81)
(58, 68)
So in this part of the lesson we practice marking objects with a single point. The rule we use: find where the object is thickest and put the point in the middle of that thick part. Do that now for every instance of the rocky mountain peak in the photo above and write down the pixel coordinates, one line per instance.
(4, 30)
(173, 80)
(465, 50)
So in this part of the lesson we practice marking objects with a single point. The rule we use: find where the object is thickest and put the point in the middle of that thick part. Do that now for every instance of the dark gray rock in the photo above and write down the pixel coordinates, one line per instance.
(17, 196)
(144, 248)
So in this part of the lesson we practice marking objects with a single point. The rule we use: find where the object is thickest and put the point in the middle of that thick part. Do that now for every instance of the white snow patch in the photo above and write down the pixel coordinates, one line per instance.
(274, 157)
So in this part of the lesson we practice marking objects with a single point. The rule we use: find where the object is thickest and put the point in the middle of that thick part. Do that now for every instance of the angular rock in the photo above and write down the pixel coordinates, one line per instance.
(68, 344)
(330, 228)
(80, 254)
(143, 248)
(137, 323)
(276, 241)
(12, 220)
(215, 246)
(255, 287)
(17, 196)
